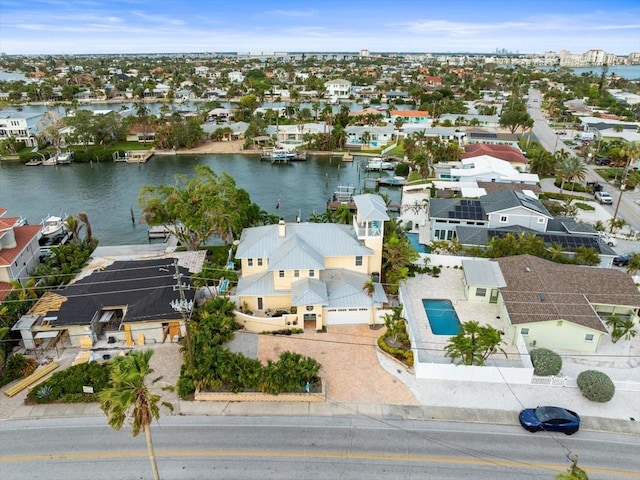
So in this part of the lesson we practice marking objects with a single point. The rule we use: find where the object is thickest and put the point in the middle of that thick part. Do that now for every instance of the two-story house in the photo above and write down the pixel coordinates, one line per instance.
(338, 88)
(313, 274)
(19, 250)
(19, 126)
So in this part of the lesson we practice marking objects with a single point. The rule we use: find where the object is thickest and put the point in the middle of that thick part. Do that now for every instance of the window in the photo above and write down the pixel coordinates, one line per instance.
(481, 292)
(312, 273)
(296, 273)
(259, 262)
(358, 260)
(588, 337)
(281, 273)
(250, 262)
(309, 308)
(540, 219)
(504, 218)
(524, 331)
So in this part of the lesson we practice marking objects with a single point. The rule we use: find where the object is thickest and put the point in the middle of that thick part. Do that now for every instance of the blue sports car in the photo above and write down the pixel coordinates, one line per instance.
(550, 419)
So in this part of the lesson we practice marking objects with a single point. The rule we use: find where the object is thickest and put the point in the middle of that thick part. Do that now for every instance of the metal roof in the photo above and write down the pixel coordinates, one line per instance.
(371, 207)
(309, 291)
(482, 273)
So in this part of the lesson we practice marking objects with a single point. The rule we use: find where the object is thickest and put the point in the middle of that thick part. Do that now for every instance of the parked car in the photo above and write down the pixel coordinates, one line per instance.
(604, 197)
(608, 239)
(622, 260)
(550, 419)
(603, 161)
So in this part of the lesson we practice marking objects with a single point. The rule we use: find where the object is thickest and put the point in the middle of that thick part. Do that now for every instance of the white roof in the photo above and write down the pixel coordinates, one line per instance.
(371, 207)
(482, 273)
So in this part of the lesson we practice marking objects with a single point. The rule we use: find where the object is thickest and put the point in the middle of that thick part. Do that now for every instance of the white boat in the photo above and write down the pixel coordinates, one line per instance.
(50, 161)
(64, 158)
(380, 164)
(52, 226)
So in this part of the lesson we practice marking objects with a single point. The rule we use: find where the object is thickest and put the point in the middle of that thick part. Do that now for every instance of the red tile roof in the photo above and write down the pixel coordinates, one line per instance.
(5, 288)
(3, 211)
(503, 152)
(23, 235)
(8, 222)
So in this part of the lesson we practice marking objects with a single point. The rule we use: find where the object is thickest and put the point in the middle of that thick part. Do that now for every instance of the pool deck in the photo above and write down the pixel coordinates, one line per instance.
(450, 286)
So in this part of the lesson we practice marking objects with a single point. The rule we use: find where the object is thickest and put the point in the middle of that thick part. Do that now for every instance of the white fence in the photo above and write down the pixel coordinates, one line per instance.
(552, 381)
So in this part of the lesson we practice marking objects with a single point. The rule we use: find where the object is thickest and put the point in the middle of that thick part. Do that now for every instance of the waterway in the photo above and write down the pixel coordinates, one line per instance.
(108, 191)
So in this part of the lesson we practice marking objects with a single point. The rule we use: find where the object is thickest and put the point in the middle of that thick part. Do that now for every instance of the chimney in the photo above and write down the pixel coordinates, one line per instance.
(281, 228)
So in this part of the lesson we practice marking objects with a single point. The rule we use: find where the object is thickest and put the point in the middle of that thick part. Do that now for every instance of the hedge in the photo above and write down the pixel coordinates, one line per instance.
(596, 386)
(545, 362)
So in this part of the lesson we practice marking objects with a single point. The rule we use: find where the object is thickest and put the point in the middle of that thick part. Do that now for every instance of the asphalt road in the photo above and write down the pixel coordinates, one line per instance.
(305, 448)
(546, 136)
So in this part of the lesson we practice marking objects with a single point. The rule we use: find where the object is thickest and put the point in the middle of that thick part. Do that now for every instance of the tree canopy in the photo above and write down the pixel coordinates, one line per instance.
(193, 209)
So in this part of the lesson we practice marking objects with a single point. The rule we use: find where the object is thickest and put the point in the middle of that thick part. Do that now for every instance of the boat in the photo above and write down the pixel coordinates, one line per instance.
(50, 161)
(277, 155)
(34, 162)
(52, 226)
(64, 158)
(380, 164)
(396, 181)
(299, 156)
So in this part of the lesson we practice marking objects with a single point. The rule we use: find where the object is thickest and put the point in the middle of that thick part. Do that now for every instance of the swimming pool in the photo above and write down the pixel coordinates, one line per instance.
(442, 317)
(418, 247)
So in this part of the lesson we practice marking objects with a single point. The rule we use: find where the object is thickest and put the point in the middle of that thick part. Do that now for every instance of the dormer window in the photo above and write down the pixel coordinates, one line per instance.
(504, 218)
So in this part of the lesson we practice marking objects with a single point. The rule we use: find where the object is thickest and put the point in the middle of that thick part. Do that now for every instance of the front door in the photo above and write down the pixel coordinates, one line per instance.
(494, 296)
(260, 304)
(309, 321)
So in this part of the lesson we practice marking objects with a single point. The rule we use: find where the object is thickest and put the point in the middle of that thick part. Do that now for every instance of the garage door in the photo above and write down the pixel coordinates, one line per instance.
(347, 316)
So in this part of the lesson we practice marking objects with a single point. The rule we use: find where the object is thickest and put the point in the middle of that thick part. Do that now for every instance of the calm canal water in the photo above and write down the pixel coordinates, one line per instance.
(107, 191)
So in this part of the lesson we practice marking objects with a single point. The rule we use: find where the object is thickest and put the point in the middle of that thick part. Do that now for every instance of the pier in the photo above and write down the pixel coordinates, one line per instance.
(133, 156)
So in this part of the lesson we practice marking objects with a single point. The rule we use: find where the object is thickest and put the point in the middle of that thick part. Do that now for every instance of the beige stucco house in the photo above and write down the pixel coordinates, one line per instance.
(313, 275)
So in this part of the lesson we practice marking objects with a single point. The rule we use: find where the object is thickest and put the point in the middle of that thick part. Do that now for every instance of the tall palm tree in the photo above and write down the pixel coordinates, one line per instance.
(84, 218)
(130, 397)
(634, 264)
(571, 168)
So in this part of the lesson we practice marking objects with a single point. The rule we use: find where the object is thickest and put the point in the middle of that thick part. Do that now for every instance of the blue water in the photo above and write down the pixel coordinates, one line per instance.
(418, 247)
(442, 317)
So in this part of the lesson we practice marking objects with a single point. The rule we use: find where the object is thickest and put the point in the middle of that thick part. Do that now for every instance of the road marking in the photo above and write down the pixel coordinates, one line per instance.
(317, 455)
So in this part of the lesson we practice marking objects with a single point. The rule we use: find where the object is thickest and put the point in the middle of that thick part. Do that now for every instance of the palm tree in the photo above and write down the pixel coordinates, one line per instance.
(474, 344)
(634, 264)
(25, 291)
(130, 397)
(621, 328)
(571, 168)
(84, 218)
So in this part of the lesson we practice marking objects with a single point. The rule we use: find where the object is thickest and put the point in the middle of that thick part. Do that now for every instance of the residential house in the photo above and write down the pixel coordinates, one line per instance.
(440, 133)
(338, 88)
(119, 302)
(487, 121)
(19, 250)
(476, 135)
(396, 95)
(235, 77)
(20, 126)
(378, 136)
(508, 153)
(313, 274)
(410, 116)
(474, 222)
(485, 168)
(560, 306)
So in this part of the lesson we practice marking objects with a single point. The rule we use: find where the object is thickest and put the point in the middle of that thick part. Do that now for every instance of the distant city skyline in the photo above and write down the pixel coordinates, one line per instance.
(146, 26)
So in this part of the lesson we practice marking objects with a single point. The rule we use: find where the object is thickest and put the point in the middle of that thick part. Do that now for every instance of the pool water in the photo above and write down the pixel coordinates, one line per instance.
(442, 317)
(418, 247)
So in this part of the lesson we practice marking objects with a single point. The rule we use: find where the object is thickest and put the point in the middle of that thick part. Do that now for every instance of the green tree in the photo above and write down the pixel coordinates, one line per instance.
(573, 472)
(515, 118)
(195, 209)
(474, 344)
(634, 264)
(130, 397)
(570, 169)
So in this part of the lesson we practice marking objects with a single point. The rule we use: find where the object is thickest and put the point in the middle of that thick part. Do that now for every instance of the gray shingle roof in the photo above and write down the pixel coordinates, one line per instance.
(506, 199)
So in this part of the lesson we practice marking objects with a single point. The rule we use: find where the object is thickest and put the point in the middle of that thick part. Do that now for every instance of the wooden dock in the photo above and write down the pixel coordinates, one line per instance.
(135, 156)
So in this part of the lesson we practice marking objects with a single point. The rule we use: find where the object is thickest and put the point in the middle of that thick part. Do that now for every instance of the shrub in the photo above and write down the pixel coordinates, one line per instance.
(596, 386)
(545, 362)
(66, 385)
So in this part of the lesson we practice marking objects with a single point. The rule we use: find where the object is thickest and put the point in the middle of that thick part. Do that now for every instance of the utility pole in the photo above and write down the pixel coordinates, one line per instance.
(622, 186)
(183, 306)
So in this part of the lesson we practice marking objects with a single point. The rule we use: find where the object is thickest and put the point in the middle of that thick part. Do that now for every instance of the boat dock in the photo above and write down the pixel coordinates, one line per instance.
(133, 156)
(158, 231)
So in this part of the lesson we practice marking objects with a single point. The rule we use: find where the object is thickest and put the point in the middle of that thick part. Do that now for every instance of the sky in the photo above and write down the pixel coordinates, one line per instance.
(474, 26)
